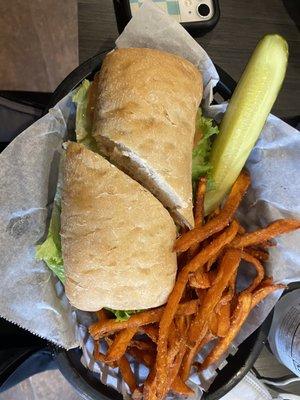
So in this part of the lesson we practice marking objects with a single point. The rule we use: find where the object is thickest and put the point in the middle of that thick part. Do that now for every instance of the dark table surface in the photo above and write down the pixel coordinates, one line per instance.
(38, 43)
(230, 44)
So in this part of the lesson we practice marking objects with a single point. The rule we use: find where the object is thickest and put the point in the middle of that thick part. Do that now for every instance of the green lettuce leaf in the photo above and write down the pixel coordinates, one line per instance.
(83, 127)
(123, 315)
(50, 250)
(200, 164)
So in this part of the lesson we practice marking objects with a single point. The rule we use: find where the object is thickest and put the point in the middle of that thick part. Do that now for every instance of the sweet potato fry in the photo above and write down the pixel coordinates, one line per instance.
(149, 392)
(232, 283)
(178, 359)
(142, 345)
(261, 293)
(213, 324)
(199, 280)
(266, 282)
(173, 370)
(198, 212)
(211, 274)
(226, 298)
(142, 357)
(199, 203)
(239, 317)
(224, 320)
(170, 309)
(174, 347)
(261, 255)
(198, 262)
(267, 243)
(97, 355)
(190, 355)
(211, 262)
(102, 329)
(180, 324)
(276, 228)
(218, 223)
(260, 272)
(127, 373)
(151, 331)
(191, 352)
(187, 308)
(120, 344)
(175, 352)
(229, 264)
(179, 387)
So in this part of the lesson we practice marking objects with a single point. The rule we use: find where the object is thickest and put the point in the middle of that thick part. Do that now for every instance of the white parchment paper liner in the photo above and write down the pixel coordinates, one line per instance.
(32, 298)
(28, 176)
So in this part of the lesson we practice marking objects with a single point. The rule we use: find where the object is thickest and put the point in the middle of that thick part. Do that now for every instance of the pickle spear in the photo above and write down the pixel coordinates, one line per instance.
(246, 115)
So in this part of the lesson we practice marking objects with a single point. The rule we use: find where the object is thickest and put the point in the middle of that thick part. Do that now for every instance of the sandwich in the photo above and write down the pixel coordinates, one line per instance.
(111, 235)
(116, 237)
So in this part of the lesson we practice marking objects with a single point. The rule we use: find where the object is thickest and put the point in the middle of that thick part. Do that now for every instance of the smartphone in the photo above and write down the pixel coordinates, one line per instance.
(196, 16)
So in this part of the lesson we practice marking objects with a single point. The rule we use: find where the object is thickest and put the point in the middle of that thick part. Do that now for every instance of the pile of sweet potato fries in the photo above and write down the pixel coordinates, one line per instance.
(203, 305)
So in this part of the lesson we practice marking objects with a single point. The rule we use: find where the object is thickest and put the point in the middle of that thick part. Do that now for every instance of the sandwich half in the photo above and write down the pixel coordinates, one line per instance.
(146, 103)
(116, 237)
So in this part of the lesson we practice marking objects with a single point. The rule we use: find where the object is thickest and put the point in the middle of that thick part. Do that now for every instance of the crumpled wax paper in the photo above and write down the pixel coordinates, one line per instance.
(32, 297)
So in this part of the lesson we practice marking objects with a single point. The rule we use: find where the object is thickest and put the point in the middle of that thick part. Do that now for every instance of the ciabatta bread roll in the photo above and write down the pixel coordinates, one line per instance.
(117, 238)
(144, 120)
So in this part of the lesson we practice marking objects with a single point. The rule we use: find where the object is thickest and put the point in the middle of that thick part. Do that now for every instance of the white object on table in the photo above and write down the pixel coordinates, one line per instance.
(284, 336)
(250, 388)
